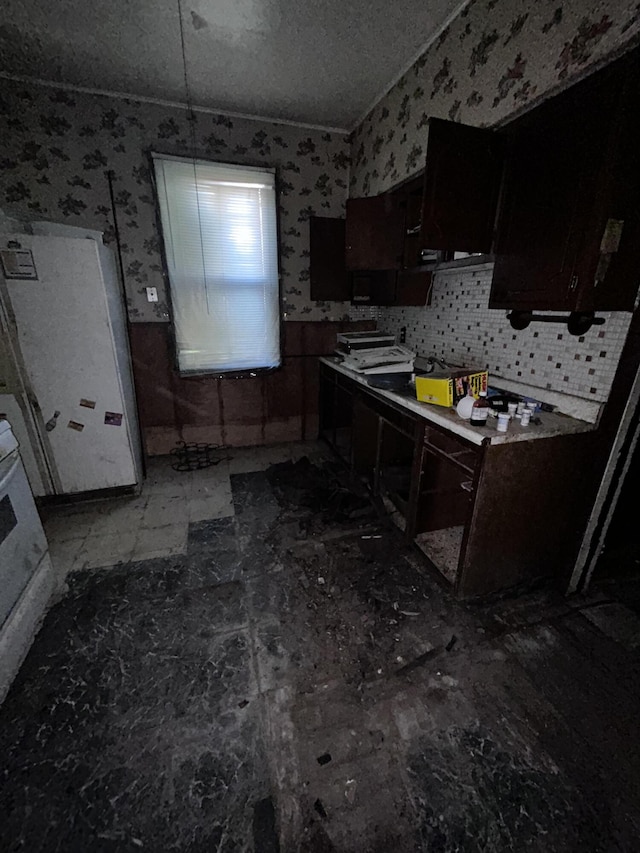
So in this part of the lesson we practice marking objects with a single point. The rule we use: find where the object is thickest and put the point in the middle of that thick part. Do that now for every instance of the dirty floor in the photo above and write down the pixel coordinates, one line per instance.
(249, 658)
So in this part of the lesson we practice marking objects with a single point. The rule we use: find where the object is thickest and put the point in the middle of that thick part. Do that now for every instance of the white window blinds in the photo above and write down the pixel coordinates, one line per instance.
(221, 244)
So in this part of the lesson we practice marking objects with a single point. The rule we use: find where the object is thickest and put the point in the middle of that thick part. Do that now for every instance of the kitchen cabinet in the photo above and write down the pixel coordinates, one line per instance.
(330, 280)
(410, 197)
(391, 287)
(568, 224)
(386, 230)
(336, 413)
(328, 275)
(374, 233)
(485, 514)
(373, 287)
(413, 287)
(450, 206)
(461, 186)
(383, 231)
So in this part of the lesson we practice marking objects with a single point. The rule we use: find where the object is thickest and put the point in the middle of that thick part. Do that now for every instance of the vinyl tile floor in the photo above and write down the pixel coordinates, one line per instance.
(251, 659)
(154, 524)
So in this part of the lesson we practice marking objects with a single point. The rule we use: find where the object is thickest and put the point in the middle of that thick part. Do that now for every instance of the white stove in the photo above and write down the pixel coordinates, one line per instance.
(27, 579)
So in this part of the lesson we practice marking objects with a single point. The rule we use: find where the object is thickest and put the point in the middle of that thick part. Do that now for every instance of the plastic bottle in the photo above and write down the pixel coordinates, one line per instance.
(480, 411)
(503, 422)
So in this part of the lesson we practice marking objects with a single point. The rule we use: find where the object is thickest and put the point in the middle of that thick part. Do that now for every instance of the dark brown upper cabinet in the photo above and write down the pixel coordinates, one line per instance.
(374, 233)
(568, 233)
(409, 201)
(461, 186)
(329, 279)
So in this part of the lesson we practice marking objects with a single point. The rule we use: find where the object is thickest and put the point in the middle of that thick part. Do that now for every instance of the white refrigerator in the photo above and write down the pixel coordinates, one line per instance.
(65, 368)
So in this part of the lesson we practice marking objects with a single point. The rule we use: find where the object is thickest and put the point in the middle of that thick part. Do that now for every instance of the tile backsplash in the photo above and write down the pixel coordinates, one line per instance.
(460, 327)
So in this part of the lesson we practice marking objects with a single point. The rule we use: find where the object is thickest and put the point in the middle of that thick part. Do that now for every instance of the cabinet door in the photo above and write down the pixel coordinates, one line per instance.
(461, 186)
(606, 273)
(374, 233)
(328, 273)
(410, 201)
(552, 179)
(413, 287)
(377, 287)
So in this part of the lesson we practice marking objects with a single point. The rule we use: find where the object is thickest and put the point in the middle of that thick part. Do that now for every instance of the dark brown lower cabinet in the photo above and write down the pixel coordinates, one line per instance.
(336, 413)
(488, 516)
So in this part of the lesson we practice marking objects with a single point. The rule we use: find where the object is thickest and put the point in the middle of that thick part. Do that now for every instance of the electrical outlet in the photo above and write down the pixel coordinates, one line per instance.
(152, 294)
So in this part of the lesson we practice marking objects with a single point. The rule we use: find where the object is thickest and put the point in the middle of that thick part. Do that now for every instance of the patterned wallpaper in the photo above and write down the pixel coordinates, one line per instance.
(496, 57)
(460, 327)
(57, 146)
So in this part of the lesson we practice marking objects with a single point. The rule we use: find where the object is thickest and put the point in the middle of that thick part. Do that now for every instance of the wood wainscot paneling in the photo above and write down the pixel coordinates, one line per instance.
(276, 406)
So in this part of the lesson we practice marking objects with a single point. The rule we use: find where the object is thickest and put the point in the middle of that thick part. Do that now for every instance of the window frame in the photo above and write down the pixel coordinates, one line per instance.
(232, 373)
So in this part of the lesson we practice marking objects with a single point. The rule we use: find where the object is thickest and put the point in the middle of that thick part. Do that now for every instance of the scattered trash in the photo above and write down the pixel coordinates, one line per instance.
(409, 612)
(451, 642)
(376, 536)
(321, 580)
(416, 662)
(323, 759)
(350, 791)
(320, 808)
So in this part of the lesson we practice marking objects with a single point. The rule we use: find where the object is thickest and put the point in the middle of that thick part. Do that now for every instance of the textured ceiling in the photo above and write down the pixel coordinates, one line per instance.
(322, 62)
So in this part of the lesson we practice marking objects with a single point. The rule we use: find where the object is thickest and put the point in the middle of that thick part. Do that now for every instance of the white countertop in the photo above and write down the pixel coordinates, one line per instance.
(552, 424)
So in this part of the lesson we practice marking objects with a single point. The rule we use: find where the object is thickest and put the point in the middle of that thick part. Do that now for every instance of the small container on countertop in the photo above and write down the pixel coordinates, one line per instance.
(525, 418)
(480, 411)
(503, 422)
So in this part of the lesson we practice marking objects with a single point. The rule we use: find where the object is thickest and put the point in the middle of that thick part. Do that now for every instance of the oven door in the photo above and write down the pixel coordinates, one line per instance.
(22, 540)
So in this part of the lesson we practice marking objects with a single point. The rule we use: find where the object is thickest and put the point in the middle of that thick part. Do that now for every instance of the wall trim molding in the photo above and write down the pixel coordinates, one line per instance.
(160, 102)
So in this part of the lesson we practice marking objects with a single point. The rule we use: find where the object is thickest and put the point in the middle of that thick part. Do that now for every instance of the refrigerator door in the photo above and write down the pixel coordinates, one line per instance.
(61, 322)
(117, 313)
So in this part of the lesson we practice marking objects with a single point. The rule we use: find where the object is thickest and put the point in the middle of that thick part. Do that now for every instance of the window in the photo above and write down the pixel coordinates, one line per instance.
(221, 246)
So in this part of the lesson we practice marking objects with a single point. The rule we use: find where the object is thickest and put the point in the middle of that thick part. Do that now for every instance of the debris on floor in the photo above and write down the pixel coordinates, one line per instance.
(296, 679)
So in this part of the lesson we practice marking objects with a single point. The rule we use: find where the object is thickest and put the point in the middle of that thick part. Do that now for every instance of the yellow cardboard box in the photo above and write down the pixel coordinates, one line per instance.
(447, 387)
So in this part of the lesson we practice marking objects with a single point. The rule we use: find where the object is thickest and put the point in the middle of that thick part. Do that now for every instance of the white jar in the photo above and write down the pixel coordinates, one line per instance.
(503, 422)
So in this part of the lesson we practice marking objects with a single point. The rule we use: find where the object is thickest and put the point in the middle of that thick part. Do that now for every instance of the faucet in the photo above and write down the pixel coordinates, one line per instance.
(433, 360)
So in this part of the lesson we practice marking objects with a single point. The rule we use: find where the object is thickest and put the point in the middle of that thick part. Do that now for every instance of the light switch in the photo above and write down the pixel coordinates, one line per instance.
(152, 294)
